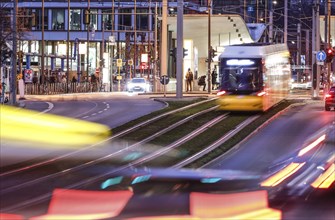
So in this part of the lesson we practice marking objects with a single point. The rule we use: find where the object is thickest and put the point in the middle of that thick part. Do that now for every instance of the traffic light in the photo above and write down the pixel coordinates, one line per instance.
(33, 20)
(102, 63)
(212, 53)
(330, 53)
(173, 53)
(86, 16)
(185, 52)
(6, 55)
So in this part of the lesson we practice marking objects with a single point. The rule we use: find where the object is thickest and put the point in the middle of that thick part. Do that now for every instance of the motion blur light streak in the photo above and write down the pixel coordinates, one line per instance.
(5, 216)
(326, 179)
(240, 205)
(261, 93)
(312, 145)
(140, 179)
(282, 174)
(210, 180)
(83, 204)
(111, 181)
(26, 126)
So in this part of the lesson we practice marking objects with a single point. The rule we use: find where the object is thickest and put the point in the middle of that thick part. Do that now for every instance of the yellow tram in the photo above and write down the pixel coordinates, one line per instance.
(253, 77)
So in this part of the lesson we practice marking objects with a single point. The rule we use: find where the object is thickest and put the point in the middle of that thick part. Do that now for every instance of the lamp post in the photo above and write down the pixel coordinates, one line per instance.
(12, 98)
(209, 48)
(88, 39)
(112, 43)
(180, 39)
(68, 46)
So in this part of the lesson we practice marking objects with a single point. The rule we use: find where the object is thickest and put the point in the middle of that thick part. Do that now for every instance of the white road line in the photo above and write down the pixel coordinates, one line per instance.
(50, 106)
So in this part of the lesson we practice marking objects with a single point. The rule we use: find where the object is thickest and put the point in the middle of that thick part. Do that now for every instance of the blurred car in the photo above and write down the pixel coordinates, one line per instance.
(138, 85)
(330, 99)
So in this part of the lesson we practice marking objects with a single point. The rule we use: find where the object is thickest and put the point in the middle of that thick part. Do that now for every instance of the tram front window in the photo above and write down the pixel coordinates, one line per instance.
(241, 80)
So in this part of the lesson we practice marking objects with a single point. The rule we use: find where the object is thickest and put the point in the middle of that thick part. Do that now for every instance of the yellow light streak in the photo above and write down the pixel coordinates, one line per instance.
(282, 174)
(30, 127)
(326, 179)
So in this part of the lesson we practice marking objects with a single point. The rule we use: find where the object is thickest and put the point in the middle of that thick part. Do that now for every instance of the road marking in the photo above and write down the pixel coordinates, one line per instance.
(50, 106)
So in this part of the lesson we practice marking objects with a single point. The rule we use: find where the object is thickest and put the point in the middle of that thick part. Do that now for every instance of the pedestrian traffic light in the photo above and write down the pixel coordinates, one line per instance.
(173, 53)
(330, 53)
(185, 52)
(212, 53)
(86, 16)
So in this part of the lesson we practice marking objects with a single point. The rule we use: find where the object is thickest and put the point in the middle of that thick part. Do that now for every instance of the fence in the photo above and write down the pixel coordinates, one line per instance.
(61, 88)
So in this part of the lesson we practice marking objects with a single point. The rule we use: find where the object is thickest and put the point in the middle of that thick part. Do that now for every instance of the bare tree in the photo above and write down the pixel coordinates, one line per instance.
(24, 19)
(5, 30)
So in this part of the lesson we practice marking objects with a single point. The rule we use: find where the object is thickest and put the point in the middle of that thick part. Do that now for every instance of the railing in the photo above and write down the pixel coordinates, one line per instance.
(61, 88)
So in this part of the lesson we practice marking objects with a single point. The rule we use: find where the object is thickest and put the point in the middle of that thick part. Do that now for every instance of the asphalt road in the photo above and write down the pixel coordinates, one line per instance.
(112, 109)
(277, 141)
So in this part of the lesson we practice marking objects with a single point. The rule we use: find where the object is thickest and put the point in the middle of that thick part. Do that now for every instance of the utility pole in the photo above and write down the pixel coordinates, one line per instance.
(12, 94)
(209, 48)
(43, 45)
(285, 22)
(180, 47)
(163, 59)
(68, 47)
(88, 39)
(270, 22)
(315, 49)
(298, 44)
(327, 39)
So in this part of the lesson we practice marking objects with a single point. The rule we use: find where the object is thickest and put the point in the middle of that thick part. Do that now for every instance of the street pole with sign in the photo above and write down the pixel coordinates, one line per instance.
(130, 64)
(112, 43)
(119, 77)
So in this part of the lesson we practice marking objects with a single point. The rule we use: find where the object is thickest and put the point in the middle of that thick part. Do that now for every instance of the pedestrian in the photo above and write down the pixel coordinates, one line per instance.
(214, 77)
(189, 80)
(74, 80)
(202, 82)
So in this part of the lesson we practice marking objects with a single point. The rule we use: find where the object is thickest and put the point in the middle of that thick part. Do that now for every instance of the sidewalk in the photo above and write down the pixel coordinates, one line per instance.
(104, 95)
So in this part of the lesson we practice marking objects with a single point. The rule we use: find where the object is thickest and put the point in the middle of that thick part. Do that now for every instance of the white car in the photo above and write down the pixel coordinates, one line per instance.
(138, 85)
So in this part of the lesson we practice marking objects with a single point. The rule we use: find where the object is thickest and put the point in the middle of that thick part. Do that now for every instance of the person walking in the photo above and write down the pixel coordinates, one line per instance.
(214, 77)
(202, 82)
(189, 80)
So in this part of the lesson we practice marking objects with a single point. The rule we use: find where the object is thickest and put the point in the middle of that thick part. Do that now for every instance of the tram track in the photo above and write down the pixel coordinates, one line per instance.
(68, 170)
(141, 161)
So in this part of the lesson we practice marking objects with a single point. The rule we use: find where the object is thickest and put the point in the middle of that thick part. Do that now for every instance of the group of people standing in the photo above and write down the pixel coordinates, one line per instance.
(201, 81)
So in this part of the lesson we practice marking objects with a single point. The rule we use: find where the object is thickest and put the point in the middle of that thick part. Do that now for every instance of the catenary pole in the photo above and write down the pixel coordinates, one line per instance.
(180, 47)
(12, 94)
(209, 49)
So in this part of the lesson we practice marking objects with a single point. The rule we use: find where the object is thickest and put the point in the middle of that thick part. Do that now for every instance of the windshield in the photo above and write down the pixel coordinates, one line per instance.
(138, 80)
(241, 78)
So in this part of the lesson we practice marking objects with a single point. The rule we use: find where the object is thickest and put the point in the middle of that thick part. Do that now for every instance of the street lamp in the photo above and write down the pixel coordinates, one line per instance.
(209, 48)
(111, 43)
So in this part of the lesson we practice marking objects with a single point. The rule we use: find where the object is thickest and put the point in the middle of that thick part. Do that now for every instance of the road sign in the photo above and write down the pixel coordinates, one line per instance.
(321, 56)
(164, 79)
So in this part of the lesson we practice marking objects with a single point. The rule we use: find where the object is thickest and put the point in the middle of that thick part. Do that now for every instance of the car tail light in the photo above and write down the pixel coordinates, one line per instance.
(221, 92)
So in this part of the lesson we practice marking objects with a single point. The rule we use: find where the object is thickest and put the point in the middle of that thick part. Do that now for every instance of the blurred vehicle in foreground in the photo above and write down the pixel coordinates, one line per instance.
(253, 77)
(330, 99)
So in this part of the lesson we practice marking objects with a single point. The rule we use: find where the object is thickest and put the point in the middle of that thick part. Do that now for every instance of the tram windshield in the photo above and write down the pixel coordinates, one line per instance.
(241, 76)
